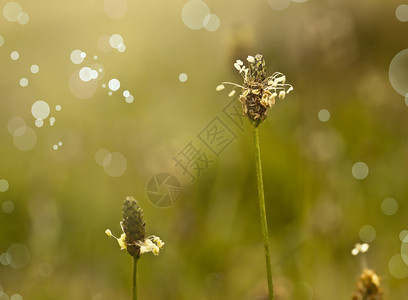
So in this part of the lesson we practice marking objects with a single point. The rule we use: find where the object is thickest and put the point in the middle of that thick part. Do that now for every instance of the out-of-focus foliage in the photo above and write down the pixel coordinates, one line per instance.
(335, 53)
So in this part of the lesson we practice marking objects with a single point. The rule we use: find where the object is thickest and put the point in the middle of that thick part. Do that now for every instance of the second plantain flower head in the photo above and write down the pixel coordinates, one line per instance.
(133, 238)
(258, 91)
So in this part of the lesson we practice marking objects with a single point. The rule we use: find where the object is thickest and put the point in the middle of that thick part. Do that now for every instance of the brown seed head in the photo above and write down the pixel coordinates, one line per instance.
(133, 226)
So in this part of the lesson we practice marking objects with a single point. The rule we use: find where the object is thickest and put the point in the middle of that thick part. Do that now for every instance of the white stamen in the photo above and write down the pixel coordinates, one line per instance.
(250, 59)
(220, 87)
(232, 93)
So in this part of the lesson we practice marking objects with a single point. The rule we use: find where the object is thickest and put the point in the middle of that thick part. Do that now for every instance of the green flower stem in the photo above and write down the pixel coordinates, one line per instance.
(264, 223)
(134, 278)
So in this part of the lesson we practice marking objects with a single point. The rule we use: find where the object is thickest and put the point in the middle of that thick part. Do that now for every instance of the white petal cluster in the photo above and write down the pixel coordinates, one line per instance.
(360, 248)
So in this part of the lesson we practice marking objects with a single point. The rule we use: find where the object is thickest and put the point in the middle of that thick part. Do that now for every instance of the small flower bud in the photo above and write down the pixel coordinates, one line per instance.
(250, 59)
(108, 232)
(232, 93)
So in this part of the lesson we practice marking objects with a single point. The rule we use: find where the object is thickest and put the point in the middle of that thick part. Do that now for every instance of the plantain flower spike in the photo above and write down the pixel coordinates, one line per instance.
(258, 92)
(133, 238)
(368, 287)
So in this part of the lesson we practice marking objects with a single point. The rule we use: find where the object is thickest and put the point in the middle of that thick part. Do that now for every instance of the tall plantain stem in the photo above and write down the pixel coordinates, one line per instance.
(264, 223)
(134, 278)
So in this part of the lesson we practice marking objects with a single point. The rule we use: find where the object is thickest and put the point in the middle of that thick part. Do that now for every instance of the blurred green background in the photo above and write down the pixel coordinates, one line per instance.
(56, 204)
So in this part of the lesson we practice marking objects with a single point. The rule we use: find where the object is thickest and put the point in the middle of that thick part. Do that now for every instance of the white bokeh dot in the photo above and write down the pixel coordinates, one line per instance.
(129, 99)
(16, 297)
(367, 233)
(126, 93)
(389, 206)
(402, 13)
(323, 115)
(7, 206)
(77, 56)
(23, 18)
(398, 72)
(40, 109)
(212, 22)
(403, 234)
(397, 266)
(14, 55)
(23, 82)
(58, 107)
(115, 41)
(114, 84)
(12, 11)
(279, 5)
(39, 123)
(360, 170)
(115, 164)
(4, 185)
(34, 69)
(193, 14)
(183, 77)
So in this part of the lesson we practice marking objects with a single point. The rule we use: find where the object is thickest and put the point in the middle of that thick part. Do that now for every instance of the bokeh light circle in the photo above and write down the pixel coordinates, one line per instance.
(402, 13)
(23, 82)
(8, 207)
(126, 93)
(40, 109)
(398, 72)
(58, 107)
(85, 74)
(116, 40)
(404, 249)
(323, 115)
(5, 259)
(279, 5)
(81, 89)
(77, 57)
(23, 19)
(403, 234)
(193, 14)
(16, 297)
(389, 206)
(34, 69)
(183, 77)
(39, 123)
(114, 84)
(115, 164)
(212, 22)
(4, 185)
(397, 266)
(14, 55)
(20, 255)
(100, 156)
(367, 233)
(25, 138)
(14, 124)
(115, 9)
(129, 99)
(360, 170)
(44, 270)
(12, 11)
(122, 48)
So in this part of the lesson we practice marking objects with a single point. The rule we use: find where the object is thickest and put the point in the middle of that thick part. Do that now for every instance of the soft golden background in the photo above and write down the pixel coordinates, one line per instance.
(335, 53)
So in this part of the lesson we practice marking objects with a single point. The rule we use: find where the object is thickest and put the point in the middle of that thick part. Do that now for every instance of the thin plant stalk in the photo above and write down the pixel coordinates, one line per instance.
(264, 223)
(135, 278)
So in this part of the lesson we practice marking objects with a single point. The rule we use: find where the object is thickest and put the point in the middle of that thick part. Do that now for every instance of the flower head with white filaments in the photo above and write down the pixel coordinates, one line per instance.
(133, 227)
(258, 91)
